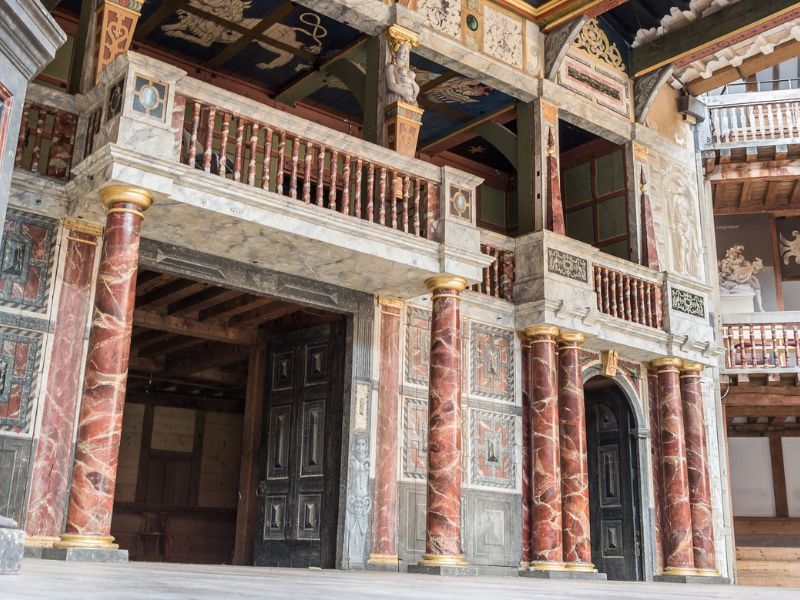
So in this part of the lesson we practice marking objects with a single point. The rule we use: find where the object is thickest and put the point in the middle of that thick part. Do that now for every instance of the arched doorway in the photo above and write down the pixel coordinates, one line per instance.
(616, 524)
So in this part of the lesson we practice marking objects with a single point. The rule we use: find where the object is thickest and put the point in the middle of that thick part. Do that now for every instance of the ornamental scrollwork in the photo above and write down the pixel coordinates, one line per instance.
(735, 271)
(688, 303)
(593, 39)
(567, 265)
(790, 249)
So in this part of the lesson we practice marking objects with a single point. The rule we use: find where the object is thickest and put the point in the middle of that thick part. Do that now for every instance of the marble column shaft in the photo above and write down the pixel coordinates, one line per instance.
(100, 423)
(527, 459)
(547, 550)
(697, 468)
(51, 466)
(655, 457)
(384, 529)
(443, 513)
(574, 463)
(678, 519)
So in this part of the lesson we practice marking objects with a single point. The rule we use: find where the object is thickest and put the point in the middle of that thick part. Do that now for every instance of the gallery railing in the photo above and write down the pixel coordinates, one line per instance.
(47, 133)
(754, 117)
(498, 277)
(304, 164)
(767, 341)
(628, 297)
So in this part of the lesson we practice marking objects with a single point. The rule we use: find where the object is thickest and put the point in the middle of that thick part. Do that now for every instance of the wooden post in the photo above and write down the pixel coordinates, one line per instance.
(778, 475)
(251, 453)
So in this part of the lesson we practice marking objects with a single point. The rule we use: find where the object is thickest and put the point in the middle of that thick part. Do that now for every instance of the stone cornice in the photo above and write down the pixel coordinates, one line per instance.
(29, 36)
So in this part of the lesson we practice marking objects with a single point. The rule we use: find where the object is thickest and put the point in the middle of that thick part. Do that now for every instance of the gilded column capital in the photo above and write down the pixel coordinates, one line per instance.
(126, 194)
(666, 362)
(550, 330)
(446, 282)
(571, 337)
(691, 367)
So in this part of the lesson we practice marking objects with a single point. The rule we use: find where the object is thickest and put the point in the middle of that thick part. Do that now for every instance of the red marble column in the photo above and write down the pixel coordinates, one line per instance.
(655, 457)
(443, 516)
(384, 528)
(527, 459)
(678, 518)
(705, 560)
(94, 471)
(51, 465)
(547, 551)
(574, 464)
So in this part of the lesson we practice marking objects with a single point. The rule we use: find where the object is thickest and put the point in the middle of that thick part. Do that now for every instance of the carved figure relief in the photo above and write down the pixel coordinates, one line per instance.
(358, 500)
(685, 248)
(401, 81)
(736, 271)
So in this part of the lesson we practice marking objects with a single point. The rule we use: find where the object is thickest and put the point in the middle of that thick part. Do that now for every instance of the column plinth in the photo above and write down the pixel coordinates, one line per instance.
(443, 509)
(678, 552)
(100, 421)
(547, 551)
(574, 464)
(703, 549)
(384, 530)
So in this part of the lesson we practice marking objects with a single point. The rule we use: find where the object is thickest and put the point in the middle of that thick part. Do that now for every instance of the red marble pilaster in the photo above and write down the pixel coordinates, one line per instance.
(547, 552)
(655, 457)
(678, 519)
(51, 465)
(574, 464)
(94, 470)
(649, 249)
(384, 528)
(705, 560)
(443, 511)
(527, 459)
(555, 207)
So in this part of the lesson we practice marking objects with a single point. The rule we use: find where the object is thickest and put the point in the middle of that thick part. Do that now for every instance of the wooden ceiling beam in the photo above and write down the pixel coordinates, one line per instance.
(175, 290)
(205, 299)
(255, 317)
(147, 281)
(763, 411)
(233, 307)
(194, 328)
(754, 395)
(700, 37)
(781, 170)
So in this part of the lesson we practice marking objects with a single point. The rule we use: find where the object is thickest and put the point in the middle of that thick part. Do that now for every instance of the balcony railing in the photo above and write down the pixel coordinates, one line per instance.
(498, 277)
(47, 134)
(305, 166)
(628, 297)
(768, 342)
(754, 117)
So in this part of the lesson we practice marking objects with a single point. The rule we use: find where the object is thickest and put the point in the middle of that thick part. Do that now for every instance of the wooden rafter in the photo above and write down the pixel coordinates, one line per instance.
(194, 328)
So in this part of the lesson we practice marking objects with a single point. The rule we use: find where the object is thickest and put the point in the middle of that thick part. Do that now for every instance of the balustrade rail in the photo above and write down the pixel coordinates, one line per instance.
(498, 277)
(755, 121)
(46, 140)
(273, 158)
(628, 297)
(761, 345)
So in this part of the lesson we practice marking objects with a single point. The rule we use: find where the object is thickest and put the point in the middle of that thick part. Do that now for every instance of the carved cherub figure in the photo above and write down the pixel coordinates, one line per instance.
(401, 81)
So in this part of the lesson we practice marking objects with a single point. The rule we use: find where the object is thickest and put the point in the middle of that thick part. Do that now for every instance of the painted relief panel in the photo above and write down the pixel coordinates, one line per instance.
(442, 15)
(492, 444)
(418, 345)
(20, 362)
(492, 362)
(415, 438)
(502, 37)
(25, 258)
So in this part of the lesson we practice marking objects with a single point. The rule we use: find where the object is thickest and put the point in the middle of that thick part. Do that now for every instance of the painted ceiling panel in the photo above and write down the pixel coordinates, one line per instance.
(480, 150)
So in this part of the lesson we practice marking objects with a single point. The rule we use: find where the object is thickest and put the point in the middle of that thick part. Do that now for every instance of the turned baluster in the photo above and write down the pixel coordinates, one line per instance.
(751, 119)
(320, 176)
(293, 173)
(192, 150)
(612, 280)
(223, 144)
(281, 162)
(606, 307)
(393, 191)
(635, 287)
(237, 162)
(333, 180)
(382, 197)
(308, 162)
(728, 345)
(495, 273)
(648, 305)
(417, 193)
(598, 284)
(37, 140)
(265, 173)
(626, 296)
(642, 315)
(23, 134)
(487, 284)
(406, 192)
(346, 184)
(431, 210)
(251, 165)
(370, 192)
(358, 210)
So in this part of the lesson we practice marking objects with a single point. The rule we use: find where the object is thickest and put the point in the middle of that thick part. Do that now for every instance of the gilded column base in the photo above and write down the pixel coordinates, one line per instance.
(383, 559)
(443, 560)
(691, 571)
(579, 567)
(87, 542)
(547, 565)
(41, 541)
(707, 572)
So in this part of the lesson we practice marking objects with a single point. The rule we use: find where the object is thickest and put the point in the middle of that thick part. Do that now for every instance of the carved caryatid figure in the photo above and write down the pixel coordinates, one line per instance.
(401, 81)
(735, 271)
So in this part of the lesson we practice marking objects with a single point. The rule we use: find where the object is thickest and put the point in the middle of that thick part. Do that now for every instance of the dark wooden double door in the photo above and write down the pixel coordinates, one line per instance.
(613, 498)
(299, 488)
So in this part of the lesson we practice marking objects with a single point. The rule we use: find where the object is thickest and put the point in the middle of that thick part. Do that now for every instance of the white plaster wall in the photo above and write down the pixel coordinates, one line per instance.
(751, 477)
(791, 467)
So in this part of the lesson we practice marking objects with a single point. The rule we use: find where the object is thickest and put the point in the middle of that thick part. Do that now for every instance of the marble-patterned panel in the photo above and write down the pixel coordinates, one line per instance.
(492, 362)
(20, 362)
(492, 442)
(418, 346)
(415, 438)
(494, 528)
(26, 256)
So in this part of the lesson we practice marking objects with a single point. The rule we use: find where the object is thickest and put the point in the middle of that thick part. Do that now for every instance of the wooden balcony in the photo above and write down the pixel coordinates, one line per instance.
(762, 346)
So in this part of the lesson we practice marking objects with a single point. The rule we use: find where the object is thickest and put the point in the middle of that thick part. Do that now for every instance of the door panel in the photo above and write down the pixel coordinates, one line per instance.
(298, 500)
(613, 499)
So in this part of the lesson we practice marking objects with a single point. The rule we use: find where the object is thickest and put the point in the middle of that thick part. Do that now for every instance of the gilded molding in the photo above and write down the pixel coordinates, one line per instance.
(446, 282)
(81, 226)
(127, 194)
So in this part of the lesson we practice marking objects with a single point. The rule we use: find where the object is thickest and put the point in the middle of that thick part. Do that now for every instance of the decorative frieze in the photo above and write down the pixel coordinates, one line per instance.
(567, 265)
(502, 37)
(688, 303)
